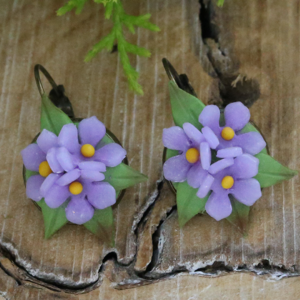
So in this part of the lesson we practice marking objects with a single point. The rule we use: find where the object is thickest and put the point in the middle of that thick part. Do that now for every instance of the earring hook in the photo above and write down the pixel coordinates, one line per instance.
(56, 95)
(37, 69)
(181, 80)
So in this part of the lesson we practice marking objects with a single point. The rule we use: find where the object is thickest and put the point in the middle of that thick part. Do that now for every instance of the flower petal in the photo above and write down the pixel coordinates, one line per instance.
(68, 137)
(210, 117)
(46, 140)
(210, 137)
(79, 211)
(176, 168)
(48, 183)
(205, 155)
(205, 186)
(92, 165)
(65, 159)
(57, 195)
(237, 115)
(91, 131)
(194, 135)
(69, 177)
(92, 175)
(33, 185)
(195, 175)
(229, 152)
(102, 195)
(250, 142)
(246, 191)
(32, 157)
(220, 165)
(53, 162)
(218, 206)
(174, 138)
(111, 154)
(245, 166)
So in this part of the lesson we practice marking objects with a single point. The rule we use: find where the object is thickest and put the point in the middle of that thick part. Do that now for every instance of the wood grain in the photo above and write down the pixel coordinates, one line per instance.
(254, 45)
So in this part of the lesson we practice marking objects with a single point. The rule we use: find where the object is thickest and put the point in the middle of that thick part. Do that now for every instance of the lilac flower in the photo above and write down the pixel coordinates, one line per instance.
(195, 153)
(236, 179)
(85, 195)
(72, 152)
(74, 169)
(34, 158)
(237, 115)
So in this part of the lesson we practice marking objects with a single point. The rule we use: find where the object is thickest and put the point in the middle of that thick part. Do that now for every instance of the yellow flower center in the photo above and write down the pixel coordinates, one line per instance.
(75, 188)
(192, 155)
(227, 133)
(227, 182)
(44, 169)
(87, 150)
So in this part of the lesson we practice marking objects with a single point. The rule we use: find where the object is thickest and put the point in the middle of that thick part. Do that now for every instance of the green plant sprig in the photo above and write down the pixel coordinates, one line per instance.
(114, 10)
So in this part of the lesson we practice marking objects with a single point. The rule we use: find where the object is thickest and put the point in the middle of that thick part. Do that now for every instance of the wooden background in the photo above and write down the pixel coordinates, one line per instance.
(247, 50)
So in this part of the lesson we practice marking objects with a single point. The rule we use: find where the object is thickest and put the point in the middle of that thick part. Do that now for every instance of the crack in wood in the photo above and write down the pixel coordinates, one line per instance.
(232, 85)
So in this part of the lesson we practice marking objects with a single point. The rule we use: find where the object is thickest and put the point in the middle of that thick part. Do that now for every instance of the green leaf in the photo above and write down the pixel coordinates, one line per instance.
(102, 225)
(170, 153)
(239, 216)
(123, 176)
(188, 204)
(249, 128)
(72, 4)
(52, 118)
(54, 218)
(271, 171)
(134, 49)
(108, 10)
(105, 43)
(185, 107)
(29, 173)
(220, 2)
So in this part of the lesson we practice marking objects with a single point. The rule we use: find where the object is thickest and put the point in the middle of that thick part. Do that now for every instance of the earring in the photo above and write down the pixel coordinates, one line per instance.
(215, 160)
(75, 170)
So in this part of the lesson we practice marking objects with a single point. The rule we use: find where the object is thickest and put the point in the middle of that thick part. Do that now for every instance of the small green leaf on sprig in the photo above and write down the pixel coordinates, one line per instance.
(114, 10)
(220, 2)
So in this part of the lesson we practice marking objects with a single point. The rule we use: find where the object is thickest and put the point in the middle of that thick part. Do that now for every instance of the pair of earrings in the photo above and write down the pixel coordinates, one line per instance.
(215, 161)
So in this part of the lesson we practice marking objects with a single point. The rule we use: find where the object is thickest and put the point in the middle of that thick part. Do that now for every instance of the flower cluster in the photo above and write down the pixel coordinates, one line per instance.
(234, 166)
(71, 167)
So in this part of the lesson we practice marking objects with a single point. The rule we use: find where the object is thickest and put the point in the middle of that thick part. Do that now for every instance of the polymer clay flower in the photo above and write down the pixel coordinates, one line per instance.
(83, 163)
(84, 145)
(85, 195)
(237, 115)
(34, 159)
(225, 186)
(194, 156)
(71, 170)
(236, 180)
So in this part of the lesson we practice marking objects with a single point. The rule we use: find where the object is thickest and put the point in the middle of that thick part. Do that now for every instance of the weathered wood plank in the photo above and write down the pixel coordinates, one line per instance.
(253, 40)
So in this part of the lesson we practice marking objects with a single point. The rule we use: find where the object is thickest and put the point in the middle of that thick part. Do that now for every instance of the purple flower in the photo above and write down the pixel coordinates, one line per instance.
(237, 180)
(84, 144)
(237, 115)
(34, 158)
(85, 195)
(195, 153)
(71, 169)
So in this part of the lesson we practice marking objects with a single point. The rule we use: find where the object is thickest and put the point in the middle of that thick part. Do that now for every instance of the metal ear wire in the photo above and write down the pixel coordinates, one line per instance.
(56, 95)
(181, 80)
